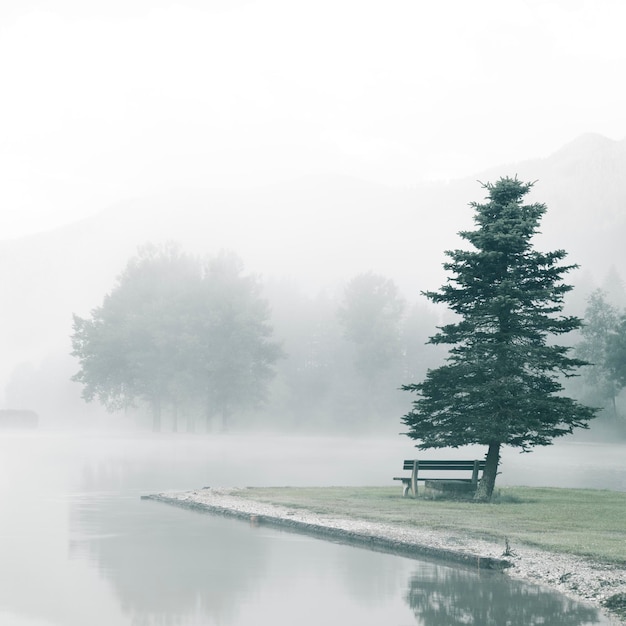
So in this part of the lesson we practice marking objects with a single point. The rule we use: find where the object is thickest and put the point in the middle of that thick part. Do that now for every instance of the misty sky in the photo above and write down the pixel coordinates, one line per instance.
(109, 100)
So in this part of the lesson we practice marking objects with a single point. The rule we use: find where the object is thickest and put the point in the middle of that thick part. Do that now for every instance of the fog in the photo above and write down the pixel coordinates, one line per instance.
(79, 546)
(106, 103)
(328, 146)
(318, 143)
(302, 242)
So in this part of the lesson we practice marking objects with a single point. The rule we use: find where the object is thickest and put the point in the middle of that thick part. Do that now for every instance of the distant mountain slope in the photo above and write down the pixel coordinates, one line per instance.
(316, 231)
(584, 187)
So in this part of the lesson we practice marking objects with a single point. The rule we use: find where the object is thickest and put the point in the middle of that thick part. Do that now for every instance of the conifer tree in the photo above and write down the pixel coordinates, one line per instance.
(500, 383)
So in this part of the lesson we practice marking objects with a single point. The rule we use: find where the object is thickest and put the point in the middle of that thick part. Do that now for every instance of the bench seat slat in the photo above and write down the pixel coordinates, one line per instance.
(442, 467)
(428, 464)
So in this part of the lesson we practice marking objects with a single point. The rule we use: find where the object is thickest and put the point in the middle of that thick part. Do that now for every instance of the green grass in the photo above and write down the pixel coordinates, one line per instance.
(583, 522)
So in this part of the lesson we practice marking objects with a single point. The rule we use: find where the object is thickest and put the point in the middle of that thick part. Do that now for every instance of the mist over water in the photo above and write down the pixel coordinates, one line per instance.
(79, 546)
(320, 142)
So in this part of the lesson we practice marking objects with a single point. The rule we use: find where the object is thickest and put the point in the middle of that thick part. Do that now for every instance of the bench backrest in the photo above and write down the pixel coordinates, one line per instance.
(443, 465)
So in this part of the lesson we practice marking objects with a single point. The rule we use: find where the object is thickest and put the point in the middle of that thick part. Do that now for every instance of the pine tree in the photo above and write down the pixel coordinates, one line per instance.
(500, 383)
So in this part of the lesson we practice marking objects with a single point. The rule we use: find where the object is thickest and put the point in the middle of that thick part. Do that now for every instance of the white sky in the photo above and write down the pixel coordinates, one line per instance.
(110, 99)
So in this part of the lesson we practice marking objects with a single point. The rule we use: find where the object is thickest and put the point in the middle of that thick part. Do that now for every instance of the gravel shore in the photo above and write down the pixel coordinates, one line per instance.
(576, 577)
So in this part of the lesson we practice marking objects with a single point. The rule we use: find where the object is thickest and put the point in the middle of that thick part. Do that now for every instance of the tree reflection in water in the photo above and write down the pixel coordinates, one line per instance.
(167, 565)
(446, 597)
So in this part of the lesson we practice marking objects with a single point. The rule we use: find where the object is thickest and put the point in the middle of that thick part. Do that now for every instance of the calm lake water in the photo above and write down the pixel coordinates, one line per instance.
(78, 547)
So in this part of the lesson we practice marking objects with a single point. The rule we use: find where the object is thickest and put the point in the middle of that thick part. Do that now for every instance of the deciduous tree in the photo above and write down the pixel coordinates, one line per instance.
(370, 314)
(599, 332)
(616, 354)
(234, 350)
(129, 348)
(176, 333)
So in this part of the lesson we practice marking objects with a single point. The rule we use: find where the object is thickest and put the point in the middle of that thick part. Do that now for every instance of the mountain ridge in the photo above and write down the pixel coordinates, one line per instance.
(316, 232)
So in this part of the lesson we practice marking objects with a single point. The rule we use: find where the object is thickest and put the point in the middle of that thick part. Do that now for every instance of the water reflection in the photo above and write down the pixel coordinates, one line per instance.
(448, 597)
(174, 566)
(137, 563)
(167, 564)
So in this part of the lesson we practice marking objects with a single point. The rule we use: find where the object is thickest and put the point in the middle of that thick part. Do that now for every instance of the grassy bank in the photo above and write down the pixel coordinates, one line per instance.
(583, 522)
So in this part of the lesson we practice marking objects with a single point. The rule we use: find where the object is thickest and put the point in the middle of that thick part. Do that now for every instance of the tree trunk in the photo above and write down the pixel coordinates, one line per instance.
(225, 419)
(156, 415)
(488, 480)
(191, 424)
(208, 414)
(175, 418)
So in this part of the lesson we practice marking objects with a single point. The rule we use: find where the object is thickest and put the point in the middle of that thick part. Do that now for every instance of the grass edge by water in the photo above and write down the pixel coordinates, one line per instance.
(579, 522)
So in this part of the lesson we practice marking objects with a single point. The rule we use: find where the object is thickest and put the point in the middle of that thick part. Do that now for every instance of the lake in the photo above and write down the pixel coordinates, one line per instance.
(80, 547)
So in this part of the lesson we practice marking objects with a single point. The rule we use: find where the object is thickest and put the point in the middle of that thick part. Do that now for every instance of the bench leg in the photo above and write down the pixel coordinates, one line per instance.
(405, 489)
(414, 479)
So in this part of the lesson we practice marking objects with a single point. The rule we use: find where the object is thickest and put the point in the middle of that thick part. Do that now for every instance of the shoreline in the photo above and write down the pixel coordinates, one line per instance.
(578, 578)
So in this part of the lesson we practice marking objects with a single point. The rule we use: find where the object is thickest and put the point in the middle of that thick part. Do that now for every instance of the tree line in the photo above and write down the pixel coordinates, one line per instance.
(177, 334)
(196, 335)
(201, 344)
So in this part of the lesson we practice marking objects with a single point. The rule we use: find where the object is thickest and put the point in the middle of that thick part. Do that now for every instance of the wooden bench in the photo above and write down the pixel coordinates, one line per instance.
(418, 467)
